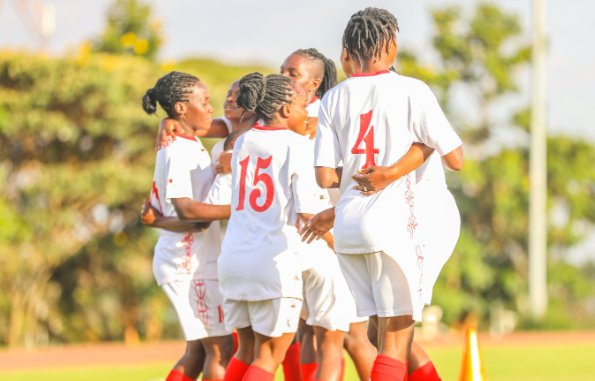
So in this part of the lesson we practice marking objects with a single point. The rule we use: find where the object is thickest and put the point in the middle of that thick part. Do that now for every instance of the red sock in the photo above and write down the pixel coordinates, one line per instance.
(176, 375)
(425, 373)
(255, 373)
(235, 370)
(291, 364)
(204, 379)
(342, 369)
(388, 369)
(308, 371)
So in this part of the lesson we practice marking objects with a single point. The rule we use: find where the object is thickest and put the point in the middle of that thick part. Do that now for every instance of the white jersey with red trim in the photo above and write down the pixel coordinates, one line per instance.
(183, 170)
(272, 182)
(373, 120)
(313, 108)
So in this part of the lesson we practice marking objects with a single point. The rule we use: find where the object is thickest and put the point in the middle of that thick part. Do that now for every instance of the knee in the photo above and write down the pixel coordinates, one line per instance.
(195, 349)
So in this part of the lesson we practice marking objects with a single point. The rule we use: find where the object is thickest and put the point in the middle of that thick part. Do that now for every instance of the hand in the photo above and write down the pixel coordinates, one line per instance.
(318, 225)
(168, 128)
(149, 214)
(374, 179)
(224, 163)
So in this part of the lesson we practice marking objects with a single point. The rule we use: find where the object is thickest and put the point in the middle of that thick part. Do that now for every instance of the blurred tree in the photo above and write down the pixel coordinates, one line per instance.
(481, 55)
(130, 30)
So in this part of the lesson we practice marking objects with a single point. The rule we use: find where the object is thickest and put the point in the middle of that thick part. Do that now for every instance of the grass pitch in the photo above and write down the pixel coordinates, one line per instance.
(503, 363)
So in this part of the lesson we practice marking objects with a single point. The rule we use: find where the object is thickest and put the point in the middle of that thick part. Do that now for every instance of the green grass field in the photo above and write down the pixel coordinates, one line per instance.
(521, 363)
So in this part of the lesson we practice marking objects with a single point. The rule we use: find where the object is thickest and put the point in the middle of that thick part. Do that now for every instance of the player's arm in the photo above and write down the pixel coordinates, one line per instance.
(151, 217)
(169, 128)
(319, 226)
(224, 163)
(328, 177)
(327, 236)
(454, 159)
(188, 209)
(376, 178)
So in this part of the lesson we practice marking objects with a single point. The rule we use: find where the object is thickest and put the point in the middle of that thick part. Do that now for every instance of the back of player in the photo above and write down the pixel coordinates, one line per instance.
(272, 184)
(261, 237)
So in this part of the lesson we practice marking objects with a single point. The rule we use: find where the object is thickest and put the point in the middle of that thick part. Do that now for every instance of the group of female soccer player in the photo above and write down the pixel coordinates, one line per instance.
(371, 248)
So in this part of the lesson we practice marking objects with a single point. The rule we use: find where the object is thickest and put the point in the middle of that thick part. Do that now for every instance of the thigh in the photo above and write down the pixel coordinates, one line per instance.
(390, 288)
(181, 295)
(275, 317)
(354, 269)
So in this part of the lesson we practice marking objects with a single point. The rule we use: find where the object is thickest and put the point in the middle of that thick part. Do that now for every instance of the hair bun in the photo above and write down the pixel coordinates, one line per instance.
(252, 91)
(149, 102)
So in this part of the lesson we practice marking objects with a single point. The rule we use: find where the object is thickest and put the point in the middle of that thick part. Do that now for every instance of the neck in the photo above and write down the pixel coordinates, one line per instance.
(186, 129)
(244, 124)
(373, 67)
(277, 122)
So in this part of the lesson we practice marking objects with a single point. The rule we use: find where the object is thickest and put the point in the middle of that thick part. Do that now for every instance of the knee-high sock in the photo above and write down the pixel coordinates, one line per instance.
(425, 373)
(308, 371)
(176, 375)
(235, 371)
(388, 369)
(255, 373)
(291, 364)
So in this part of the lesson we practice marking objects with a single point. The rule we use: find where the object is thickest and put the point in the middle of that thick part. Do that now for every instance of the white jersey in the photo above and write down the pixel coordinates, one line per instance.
(271, 183)
(183, 170)
(218, 147)
(313, 108)
(220, 192)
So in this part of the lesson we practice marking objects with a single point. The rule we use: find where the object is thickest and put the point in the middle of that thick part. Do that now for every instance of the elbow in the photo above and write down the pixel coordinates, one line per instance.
(182, 215)
(324, 183)
(457, 166)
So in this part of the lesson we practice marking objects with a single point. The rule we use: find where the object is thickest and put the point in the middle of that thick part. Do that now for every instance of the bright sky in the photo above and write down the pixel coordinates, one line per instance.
(266, 31)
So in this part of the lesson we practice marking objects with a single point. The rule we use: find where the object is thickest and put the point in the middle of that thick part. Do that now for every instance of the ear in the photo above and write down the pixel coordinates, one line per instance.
(285, 111)
(180, 108)
(346, 55)
(314, 84)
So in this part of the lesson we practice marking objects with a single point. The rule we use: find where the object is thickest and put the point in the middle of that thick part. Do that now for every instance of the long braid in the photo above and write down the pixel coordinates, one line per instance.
(265, 95)
(329, 79)
(169, 89)
(368, 31)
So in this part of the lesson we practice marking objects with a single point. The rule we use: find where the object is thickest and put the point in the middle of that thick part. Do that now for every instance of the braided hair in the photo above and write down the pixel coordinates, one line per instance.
(265, 95)
(169, 89)
(329, 78)
(367, 31)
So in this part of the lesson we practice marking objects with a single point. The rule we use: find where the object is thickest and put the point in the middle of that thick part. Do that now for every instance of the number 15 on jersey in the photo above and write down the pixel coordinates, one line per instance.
(258, 177)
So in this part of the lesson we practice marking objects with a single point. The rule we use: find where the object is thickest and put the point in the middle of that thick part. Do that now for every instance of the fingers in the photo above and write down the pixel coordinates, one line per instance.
(361, 180)
(365, 188)
(366, 171)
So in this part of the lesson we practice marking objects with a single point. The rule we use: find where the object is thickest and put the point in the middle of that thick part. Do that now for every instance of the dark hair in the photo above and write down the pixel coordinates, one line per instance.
(169, 89)
(368, 30)
(232, 137)
(329, 78)
(265, 96)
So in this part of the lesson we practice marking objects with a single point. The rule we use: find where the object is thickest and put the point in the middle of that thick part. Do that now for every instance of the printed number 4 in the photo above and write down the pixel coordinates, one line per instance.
(364, 123)
(258, 177)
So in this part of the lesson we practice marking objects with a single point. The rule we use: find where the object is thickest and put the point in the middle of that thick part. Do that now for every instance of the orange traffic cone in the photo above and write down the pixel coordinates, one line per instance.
(472, 368)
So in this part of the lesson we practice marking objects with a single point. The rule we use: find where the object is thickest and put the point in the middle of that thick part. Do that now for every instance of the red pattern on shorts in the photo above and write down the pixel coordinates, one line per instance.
(187, 241)
(411, 226)
(201, 305)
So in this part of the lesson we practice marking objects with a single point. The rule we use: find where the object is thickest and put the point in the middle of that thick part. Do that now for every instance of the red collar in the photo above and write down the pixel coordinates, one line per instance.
(268, 128)
(370, 74)
(313, 100)
(194, 139)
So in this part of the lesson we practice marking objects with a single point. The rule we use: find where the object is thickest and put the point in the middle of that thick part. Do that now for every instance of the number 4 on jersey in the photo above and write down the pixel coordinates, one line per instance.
(369, 150)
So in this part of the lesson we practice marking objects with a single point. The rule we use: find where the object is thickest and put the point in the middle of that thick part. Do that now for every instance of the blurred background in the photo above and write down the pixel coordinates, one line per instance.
(77, 157)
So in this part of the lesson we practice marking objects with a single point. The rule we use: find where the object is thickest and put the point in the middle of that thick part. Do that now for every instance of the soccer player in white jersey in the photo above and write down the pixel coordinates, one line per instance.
(329, 309)
(372, 120)
(438, 210)
(272, 184)
(185, 260)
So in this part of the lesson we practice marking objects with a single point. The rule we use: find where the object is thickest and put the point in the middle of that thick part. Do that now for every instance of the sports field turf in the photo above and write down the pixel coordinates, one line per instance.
(503, 363)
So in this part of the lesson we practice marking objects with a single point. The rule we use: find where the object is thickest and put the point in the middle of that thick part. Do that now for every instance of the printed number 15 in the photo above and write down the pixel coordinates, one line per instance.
(258, 177)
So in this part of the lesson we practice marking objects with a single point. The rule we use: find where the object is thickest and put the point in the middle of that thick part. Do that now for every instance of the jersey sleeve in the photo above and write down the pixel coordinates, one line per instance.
(179, 181)
(431, 126)
(220, 192)
(327, 152)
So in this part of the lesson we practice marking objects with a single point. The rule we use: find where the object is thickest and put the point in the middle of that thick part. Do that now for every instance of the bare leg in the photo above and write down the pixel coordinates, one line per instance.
(360, 349)
(395, 335)
(219, 351)
(308, 352)
(373, 331)
(417, 358)
(269, 352)
(246, 340)
(330, 353)
(192, 362)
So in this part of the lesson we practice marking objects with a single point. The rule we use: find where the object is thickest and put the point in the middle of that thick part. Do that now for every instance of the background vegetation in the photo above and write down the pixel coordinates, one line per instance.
(76, 160)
